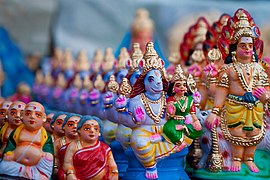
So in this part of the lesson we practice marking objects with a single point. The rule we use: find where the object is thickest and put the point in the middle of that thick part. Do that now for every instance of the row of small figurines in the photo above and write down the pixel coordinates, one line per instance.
(60, 131)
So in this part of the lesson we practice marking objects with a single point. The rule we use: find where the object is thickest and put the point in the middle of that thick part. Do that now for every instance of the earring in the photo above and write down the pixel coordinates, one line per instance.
(173, 91)
(6, 116)
(99, 134)
(253, 57)
(233, 56)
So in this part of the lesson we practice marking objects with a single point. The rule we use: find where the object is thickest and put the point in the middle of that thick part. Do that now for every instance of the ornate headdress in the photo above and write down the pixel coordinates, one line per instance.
(112, 86)
(136, 56)
(178, 74)
(123, 58)
(240, 25)
(214, 55)
(151, 60)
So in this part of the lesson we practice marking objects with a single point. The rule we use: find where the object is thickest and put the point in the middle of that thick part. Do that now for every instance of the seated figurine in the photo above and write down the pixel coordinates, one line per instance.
(69, 126)
(88, 158)
(14, 120)
(29, 151)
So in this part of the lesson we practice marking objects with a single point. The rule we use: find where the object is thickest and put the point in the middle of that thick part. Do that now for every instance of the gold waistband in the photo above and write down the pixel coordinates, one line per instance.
(246, 104)
(176, 117)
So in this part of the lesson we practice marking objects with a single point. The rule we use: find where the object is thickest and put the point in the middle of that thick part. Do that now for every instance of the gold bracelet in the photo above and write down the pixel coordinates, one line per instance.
(70, 172)
(115, 171)
(215, 110)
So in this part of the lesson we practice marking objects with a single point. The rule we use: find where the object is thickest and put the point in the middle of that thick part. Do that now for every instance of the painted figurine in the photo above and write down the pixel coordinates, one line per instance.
(47, 123)
(14, 114)
(29, 151)
(3, 112)
(89, 158)
(56, 124)
(182, 125)
(60, 145)
(238, 90)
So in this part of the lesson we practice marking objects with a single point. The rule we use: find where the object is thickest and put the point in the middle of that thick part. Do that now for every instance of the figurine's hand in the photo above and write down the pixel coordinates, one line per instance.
(139, 114)
(211, 121)
(261, 94)
(194, 70)
(171, 109)
(71, 177)
(211, 70)
(155, 138)
(108, 98)
(94, 95)
(9, 156)
(197, 125)
(179, 127)
(121, 102)
(47, 156)
(197, 97)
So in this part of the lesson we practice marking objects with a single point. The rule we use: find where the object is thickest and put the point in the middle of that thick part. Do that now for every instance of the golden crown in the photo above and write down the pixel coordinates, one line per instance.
(178, 74)
(113, 86)
(136, 56)
(151, 59)
(123, 58)
(214, 55)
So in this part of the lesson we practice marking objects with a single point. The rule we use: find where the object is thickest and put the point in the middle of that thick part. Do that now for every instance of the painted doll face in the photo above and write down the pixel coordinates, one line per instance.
(46, 124)
(153, 82)
(71, 126)
(180, 87)
(244, 49)
(33, 116)
(57, 125)
(3, 110)
(15, 112)
(89, 132)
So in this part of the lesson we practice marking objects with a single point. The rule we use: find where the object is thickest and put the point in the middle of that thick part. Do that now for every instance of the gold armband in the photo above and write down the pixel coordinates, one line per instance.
(215, 110)
(70, 172)
(224, 81)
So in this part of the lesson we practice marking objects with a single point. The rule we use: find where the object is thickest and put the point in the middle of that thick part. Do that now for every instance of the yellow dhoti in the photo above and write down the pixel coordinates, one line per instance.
(147, 152)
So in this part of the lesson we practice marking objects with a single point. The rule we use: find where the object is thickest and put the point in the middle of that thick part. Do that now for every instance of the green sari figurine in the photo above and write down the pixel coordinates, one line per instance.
(182, 125)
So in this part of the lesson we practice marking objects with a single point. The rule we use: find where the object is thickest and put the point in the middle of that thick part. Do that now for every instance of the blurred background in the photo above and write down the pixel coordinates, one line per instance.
(31, 29)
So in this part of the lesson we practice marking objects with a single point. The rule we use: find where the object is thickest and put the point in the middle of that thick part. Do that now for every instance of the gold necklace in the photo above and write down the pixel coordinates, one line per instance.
(184, 107)
(156, 117)
(238, 69)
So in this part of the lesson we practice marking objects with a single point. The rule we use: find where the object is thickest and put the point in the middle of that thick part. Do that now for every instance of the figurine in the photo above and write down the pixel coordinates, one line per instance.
(3, 112)
(147, 106)
(23, 93)
(60, 145)
(47, 123)
(14, 114)
(29, 151)
(38, 84)
(67, 65)
(56, 125)
(89, 158)
(242, 89)
(82, 65)
(182, 125)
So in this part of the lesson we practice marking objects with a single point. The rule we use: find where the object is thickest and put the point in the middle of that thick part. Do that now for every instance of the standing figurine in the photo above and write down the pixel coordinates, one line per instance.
(29, 151)
(241, 89)
(56, 125)
(88, 158)
(182, 126)
(14, 120)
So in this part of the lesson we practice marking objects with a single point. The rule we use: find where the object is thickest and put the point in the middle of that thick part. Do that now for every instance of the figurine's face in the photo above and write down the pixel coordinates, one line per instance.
(57, 125)
(47, 125)
(71, 126)
(15, 112)
(244, 49)
(121, 74)
(180, 87)
(134, 77)
(153, 82)
(3, 110)
(34, 116)
(89, 132)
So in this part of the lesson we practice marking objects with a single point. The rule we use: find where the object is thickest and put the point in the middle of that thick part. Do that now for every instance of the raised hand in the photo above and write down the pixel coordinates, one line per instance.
(139, 114)
(171, 109)
(121, 102)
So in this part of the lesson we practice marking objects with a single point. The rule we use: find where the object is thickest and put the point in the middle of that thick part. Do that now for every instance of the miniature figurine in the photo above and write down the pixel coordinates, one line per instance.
(182, 125)
(60, 145)
(23, 93)
(56, 125)
(47, 123)
(239, 87)
(3, 112)
(29, 151)
(14, 114)
(88, 158)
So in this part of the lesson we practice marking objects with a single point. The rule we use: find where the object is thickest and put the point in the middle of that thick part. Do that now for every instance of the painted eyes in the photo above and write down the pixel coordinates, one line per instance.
(87, 129)
(150, 78)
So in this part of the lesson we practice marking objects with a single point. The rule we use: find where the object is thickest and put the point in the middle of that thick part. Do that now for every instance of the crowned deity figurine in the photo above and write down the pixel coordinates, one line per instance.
(29, 151)
(242, 89)
(87, 157)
